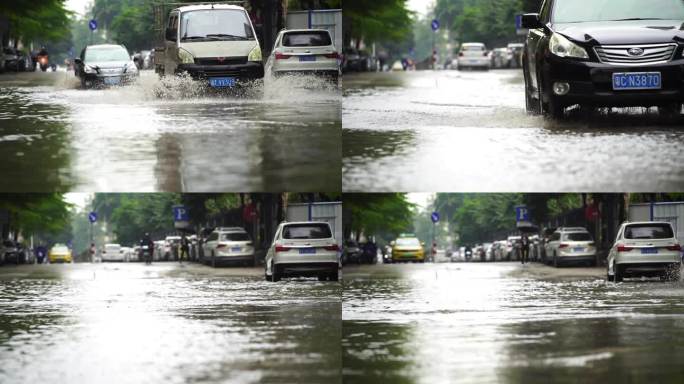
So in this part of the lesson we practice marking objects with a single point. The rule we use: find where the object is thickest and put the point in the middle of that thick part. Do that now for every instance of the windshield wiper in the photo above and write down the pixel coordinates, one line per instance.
(193, 37)
(226, 35)
(639, 18)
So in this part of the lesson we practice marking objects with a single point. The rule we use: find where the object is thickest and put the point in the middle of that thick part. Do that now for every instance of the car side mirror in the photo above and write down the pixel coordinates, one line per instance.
(171, 34)
(531, 21)
(78, 61)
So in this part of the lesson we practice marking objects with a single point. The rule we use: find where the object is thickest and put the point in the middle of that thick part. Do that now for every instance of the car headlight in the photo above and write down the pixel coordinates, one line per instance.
(89, 69)
(185, 57)
(131, 68)
(562, 47)
(255, 55)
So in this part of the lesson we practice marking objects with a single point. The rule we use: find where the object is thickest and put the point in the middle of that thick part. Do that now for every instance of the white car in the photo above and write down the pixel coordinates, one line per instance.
(570, 245)
(170, 242)
(113, 252)
(229, 245)
(303, 249)
(645, 249)
(473, 55)
(305, 51)
(512, 246)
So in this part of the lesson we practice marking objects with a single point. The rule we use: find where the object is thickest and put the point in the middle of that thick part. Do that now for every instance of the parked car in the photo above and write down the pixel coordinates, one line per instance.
(112, 252)
(59, 253)
(407, 248)
(501, 58)
(513, 248)
(231, 244)
(304, 51)
(351, 252)
(304, 249)
(473, 55)
(12, 252)
(645, 249)
(13, 60)
(213, 43)
(170, 248)
(570, 245)
(515, 51)
(594, 53)
(105, 65)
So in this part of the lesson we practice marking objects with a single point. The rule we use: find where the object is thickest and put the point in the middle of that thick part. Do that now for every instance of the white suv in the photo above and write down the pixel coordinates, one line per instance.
(303, 249)
(570, 245)
(645, 249)
(229, 244)
(305, 51)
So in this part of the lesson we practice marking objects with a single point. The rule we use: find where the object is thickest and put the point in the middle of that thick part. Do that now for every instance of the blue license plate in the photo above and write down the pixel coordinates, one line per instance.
(636, 81)
(307, 58)
(112, 80)
(307, 251)
(649, 250)
(578, 249)
(236, 249)
(222, 82)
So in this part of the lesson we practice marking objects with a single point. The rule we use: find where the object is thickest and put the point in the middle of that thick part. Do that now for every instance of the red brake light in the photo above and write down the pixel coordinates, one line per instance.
(460, 54)
(675, 247)
(563, 245)
(220, 246)
(622, 248)
(333, 55)
(333, 247)
(280, 248)
(280, 56)
(485, 54)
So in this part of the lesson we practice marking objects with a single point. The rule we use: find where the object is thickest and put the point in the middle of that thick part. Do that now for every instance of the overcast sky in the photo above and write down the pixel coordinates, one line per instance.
(77, 6)
(419, 6)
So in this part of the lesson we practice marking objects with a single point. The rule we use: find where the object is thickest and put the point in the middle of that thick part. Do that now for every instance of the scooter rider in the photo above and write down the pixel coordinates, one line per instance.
(146, 242)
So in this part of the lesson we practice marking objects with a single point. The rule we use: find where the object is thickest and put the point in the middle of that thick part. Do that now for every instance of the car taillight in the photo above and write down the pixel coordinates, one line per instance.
(485, 54)
(591, 244)
(675, 247)
(460, 54)
(280, 248)
(622, 248)
(563, 245)
(281, 56)
(220, 246)
(333, 247)
(333, 55)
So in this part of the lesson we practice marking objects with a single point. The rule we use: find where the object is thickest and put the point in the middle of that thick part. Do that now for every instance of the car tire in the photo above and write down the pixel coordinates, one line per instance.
(556, 264)
(213, 260)
(335, 276)
(610, 278)
(275, 276)
(670, 112)
(322, 277)
(618, 274)
(673, 273)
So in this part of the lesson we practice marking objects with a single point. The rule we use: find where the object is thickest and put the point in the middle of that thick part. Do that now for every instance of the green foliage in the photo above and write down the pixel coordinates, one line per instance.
(314, 4)
(377, 21)
(385, 214)
(480, 216)
(36, 213)
(45, 21)
(488, 21)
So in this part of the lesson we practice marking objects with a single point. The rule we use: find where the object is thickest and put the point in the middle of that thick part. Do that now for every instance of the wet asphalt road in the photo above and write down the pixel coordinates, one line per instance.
(131, 323)
(468, 131)
(503, 323)
(167, 136)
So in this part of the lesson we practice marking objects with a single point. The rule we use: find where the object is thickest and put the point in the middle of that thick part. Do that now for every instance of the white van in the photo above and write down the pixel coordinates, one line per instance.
(211, 42)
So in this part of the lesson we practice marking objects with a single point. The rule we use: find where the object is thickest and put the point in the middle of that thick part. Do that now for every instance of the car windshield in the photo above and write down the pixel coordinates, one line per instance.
(649, 231)
(577, 236)
(306, 231)
(307, 39)
(475, 48)
(408, 241)
(60, 249)
(234, 236)
(216, 24)
(99, 55)
(576, 11)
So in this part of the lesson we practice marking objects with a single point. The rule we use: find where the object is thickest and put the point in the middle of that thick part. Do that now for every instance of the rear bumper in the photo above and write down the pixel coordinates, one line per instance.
(328, 73)
(592, 83)
(242, 72)
(305, 269)
(647, 269)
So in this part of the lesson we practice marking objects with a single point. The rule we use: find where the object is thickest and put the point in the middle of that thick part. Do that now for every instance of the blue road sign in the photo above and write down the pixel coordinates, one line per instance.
(518, 21)
(522, 213)
(434, 217)
(180, 213)
(435, 25)
(92, 217)
(92, 24)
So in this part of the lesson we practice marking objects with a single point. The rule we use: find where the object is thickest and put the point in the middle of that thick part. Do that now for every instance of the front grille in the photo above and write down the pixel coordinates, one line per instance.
(222, 60)
(626, 55)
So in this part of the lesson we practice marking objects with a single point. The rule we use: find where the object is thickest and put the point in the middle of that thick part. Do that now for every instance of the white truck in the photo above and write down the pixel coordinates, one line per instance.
(212, 42)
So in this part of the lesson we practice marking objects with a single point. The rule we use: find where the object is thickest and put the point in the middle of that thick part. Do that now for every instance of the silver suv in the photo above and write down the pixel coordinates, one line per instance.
(571, 245)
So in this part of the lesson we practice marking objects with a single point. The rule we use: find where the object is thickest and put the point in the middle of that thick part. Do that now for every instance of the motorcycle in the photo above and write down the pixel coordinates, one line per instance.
(44, 62)
(145, 254)
(468, 255)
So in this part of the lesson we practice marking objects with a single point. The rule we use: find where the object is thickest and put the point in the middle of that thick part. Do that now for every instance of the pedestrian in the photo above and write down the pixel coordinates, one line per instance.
(524, 248)
(184, 248)
(92, 252)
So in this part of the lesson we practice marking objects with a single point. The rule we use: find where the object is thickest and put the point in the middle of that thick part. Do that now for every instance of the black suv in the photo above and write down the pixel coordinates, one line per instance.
(604, 53)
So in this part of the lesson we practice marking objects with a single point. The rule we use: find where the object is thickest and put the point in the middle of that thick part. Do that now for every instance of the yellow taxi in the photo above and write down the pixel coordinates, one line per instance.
(59, 253)
(407, 248)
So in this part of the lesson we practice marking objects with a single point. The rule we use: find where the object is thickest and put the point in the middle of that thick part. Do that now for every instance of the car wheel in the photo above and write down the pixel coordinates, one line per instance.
(322, 277)
(268, 278)
(213, 260)
(618, 274)
(673, 273)
(531, 105)
(670, 111)
(609, 277)
(551, 108)
(275, 276)
(555, 261)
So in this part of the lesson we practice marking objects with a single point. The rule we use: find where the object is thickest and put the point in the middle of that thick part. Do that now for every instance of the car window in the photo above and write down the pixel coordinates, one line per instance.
(574, 11)
(576, 236)
(213, 237)
(473, 48)
(234, 236)
(98, 55)
(306, 231)
(555, 236)
(408, 241)
(648, 231)
(307, 39)
(224, 23)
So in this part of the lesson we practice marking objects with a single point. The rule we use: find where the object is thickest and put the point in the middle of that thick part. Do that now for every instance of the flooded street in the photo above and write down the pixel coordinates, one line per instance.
(167, 136)
(468, 131)
(131, 323)
(504, 323)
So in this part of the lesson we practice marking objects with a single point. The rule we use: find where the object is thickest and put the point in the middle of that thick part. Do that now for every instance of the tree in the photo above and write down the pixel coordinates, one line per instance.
(374, 214)
(45, 20)
(36, 213)
(376, 21)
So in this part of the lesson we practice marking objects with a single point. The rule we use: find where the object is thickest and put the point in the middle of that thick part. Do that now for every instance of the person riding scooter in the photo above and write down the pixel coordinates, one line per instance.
(146, 248)
(43, 59)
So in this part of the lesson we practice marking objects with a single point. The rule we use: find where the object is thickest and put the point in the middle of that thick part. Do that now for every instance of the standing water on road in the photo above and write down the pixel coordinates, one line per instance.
(131, 323)
(505, 323)
(468, 131)
(168, 135)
